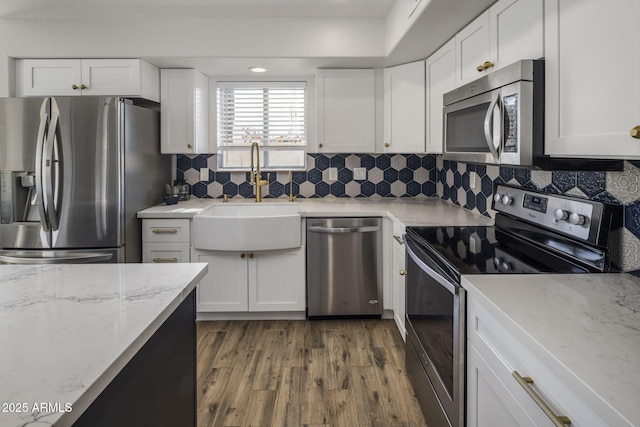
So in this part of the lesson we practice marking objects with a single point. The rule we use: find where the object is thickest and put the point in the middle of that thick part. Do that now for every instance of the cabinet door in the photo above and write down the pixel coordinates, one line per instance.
(489, 402)
(111, 77)
(440, 79)
(49, 77)
(517, 31)
(224, 288)
(399, 288)
(184, 111)
(165, 252)
(592, 78)
(346, 111)
(472, 50)
(277, 280)
(404, 108)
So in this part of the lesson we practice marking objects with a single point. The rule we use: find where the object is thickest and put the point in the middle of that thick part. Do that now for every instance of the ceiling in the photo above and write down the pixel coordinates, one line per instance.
(197, 8)
(365, 23)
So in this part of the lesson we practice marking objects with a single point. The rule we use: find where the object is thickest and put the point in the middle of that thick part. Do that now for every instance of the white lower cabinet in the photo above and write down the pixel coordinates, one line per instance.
(256, 281)
(166, 240)
(489, 403)
(495, 357)
(398, 279)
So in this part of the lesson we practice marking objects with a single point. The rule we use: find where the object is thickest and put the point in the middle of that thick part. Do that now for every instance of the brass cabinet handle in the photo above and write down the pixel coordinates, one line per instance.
(398, 239)
(84, 87)
(526, 382)
(403, 272)
(320, 145)
(74, 87)
(189, 145)
(487, 64)
(635, 132)
(480, 68)
(164, 230)
(165, 260)
(386, 144)
(243, 255)
(251, 256)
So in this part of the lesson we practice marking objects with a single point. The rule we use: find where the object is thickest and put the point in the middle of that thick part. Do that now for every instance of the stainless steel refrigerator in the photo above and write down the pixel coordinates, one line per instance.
(74, 171)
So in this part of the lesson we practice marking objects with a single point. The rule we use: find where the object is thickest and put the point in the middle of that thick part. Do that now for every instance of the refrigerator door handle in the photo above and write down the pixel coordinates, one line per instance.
(39, 181)
(52, 165)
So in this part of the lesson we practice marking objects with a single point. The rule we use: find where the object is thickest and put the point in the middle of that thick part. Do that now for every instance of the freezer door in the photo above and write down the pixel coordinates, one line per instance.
(90, 182)
(19, 120)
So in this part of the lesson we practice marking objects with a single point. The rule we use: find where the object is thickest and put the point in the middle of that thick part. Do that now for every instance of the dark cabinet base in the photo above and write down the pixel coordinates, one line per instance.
(158, 386)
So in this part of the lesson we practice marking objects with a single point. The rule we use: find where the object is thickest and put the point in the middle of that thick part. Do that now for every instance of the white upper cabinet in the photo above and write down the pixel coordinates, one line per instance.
(440, 79)
(346, 111)
(516, 30)
(404, 108)
(472, 50)
(592, 78)
(88, 77)
(184, 124)
(509, 31)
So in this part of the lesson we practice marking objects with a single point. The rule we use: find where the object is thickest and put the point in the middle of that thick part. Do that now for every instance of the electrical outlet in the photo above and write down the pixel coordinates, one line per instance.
(333, 174)
(359, 174)
(204, 174)
(472, 181)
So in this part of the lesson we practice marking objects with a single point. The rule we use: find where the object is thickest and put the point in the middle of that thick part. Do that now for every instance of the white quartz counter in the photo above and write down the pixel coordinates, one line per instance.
(67, 330)
(410, 212)
(586, 328)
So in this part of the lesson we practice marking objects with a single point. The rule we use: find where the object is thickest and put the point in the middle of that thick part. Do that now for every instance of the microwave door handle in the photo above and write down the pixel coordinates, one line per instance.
(488, 134)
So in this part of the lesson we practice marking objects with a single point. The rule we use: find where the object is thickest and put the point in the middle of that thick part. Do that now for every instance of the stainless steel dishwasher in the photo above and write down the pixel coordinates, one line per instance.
(344, 267)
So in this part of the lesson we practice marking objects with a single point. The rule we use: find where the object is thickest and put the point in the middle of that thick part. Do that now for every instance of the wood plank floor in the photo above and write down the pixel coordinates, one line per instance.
(304, 373)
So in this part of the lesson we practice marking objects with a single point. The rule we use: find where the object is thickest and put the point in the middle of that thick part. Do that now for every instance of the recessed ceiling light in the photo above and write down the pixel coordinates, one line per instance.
(257, 69)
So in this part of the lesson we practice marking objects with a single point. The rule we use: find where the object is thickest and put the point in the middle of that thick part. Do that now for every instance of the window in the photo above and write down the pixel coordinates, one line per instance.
(273, 114)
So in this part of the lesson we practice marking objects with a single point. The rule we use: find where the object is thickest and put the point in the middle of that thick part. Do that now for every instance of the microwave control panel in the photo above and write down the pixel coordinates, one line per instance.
(510, 105)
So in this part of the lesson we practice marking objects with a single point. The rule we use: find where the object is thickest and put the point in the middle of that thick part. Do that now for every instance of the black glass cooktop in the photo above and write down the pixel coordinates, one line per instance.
(491, 250)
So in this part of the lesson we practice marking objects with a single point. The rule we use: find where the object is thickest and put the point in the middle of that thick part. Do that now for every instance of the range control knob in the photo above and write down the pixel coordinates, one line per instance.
(560, 214)
(505, 267)
(497, 261)
(497, 197)
(507, 200)
(577, 219)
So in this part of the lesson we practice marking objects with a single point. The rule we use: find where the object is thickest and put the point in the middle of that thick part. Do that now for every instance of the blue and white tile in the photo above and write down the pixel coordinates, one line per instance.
(624, 185)
(541, 179)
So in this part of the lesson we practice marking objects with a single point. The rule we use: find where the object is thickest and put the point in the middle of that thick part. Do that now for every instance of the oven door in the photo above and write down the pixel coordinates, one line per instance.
(435, 329)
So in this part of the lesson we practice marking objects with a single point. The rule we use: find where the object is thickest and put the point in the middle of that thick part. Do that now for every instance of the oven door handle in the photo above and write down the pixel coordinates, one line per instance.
(434, 274)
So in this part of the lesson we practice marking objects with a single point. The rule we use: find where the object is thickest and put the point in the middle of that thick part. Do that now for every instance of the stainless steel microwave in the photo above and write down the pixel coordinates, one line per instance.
(497, 119)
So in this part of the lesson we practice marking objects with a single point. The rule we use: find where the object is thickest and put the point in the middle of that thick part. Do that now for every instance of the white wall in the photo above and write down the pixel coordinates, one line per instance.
(189, 37)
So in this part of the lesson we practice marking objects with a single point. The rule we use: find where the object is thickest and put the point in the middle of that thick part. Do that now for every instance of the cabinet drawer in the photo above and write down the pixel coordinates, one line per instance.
(506, 354)
(166, 252)
(166, 231)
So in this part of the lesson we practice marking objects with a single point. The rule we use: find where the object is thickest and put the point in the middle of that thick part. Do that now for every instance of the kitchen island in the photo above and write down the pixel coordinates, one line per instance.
(70, 334)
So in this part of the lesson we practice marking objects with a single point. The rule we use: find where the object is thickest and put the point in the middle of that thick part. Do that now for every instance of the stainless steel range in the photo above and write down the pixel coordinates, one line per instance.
(534, 232)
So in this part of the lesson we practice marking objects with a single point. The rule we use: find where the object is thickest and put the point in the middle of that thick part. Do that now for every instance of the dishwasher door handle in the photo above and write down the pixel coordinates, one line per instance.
(342, 230)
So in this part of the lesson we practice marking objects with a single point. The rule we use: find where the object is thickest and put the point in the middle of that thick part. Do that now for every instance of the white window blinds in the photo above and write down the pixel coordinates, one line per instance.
(273, 114)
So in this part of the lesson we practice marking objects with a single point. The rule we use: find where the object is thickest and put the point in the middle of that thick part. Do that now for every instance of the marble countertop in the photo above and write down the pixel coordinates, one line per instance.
(67, 330)
(410, 212)
(586, 328)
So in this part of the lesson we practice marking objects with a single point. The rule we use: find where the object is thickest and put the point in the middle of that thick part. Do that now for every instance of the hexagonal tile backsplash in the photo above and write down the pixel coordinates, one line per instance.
(411, 175)
(398, 175)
